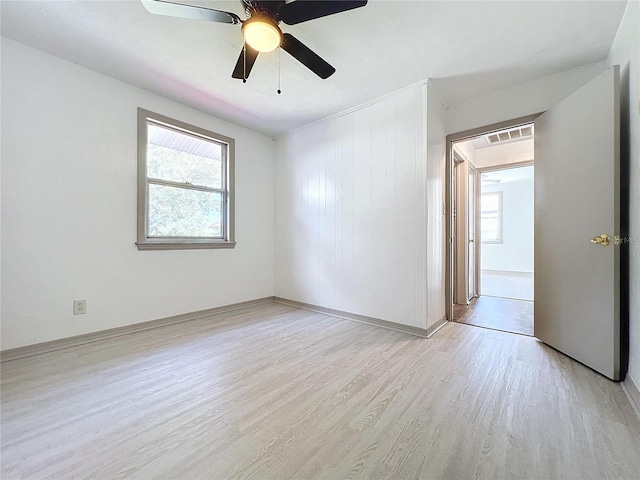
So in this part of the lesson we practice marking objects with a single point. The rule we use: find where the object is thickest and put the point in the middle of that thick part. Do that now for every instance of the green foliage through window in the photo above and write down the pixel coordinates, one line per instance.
(186, 183)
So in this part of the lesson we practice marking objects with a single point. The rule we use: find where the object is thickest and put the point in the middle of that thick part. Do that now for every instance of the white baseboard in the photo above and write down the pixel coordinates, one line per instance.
(633, 394)
(436, 326)
(45, 347)
(53, 345)
(508, 272)
(419, 332)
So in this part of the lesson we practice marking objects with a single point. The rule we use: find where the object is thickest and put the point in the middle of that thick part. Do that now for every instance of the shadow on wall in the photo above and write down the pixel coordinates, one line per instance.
(458, 89)
(625, 189)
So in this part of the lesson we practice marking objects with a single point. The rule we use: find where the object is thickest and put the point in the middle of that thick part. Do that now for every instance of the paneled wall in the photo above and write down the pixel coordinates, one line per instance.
(351, 211)
(435, 202)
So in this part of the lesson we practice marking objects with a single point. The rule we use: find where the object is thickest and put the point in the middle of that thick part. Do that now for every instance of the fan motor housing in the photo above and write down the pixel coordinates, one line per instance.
(263, 7)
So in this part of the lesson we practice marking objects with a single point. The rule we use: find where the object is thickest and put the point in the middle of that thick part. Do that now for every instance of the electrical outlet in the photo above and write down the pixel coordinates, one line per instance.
(79, 307)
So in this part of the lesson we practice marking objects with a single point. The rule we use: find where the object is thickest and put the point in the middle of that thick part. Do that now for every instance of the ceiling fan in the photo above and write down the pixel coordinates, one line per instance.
(261, 31)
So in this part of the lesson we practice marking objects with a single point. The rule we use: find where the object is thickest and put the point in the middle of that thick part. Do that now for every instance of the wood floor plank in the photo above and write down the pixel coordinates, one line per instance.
(506, 314)
(272, 391)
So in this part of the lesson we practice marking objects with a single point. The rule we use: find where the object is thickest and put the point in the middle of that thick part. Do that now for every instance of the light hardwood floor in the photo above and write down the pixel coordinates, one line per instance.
(276, 392)
(506, 314)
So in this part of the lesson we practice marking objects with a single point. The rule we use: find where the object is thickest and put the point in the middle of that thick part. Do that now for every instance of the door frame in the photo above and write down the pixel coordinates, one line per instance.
(461, 170)
(449, 202)
(465, 240)
(476, 233)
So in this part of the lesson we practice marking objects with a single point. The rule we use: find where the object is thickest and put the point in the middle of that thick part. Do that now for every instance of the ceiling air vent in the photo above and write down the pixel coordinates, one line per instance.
(510, 135)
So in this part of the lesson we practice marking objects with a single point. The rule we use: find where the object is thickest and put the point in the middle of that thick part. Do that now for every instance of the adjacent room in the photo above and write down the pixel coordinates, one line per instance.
(494, 181)
(507, 232)
(236, 236)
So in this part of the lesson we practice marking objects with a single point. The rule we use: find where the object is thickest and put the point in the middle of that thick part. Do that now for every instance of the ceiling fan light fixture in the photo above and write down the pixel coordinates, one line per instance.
(262, 34)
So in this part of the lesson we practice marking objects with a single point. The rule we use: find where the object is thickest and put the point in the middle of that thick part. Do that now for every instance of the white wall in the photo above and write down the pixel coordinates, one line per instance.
(69, 140)
(520, 100)
(626, 53)
(505, 154)
(515, 253)
(351, 211)
(434, 202)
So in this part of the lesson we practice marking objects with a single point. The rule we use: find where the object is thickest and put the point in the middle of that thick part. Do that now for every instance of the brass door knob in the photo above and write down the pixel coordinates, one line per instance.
(603, 240)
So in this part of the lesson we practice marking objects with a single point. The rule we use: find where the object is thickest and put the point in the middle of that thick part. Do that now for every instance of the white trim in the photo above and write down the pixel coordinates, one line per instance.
(633, 394)
(46, 347)
(431, 331)
(507, 272)
(377, 322)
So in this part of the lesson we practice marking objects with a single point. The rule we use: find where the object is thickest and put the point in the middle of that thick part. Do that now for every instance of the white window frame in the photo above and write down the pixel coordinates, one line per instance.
(145, 242)
(499, 238)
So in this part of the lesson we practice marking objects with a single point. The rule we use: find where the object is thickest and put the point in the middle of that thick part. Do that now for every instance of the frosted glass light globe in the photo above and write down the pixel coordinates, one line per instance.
(261, 34)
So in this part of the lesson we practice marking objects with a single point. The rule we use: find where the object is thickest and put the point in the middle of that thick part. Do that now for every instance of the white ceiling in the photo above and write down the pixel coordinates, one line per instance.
(467, 48)
(507, 175)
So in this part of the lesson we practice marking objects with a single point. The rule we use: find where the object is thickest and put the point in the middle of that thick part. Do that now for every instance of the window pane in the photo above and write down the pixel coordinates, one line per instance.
(181, 212)
(489, 229)
(489, 202)
(490, 216)
(183, 158)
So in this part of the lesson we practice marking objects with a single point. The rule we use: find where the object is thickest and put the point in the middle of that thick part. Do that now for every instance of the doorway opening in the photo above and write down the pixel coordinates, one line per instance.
(577, 220)
(491, 224)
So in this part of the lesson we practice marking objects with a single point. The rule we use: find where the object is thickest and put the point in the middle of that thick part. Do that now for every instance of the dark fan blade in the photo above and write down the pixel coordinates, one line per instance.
(306, 56)
(303, 10)
(160, 7)
(243, 69)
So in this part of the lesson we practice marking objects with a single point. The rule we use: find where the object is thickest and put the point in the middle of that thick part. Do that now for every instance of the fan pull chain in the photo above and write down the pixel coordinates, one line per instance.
(279, 91)
(244, 66)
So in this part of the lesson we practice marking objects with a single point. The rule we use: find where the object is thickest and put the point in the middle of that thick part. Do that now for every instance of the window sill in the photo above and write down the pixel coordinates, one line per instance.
(183, 246)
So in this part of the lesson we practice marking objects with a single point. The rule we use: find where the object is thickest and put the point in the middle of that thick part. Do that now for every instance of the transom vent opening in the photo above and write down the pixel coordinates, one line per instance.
(517, 133)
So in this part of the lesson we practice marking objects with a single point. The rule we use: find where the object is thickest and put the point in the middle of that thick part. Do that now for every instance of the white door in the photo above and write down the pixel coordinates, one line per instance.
(471, 233)
(576, 199)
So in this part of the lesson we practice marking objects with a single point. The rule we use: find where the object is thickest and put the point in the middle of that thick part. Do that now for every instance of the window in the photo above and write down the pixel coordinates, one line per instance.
(491, 217)
(185, 185)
